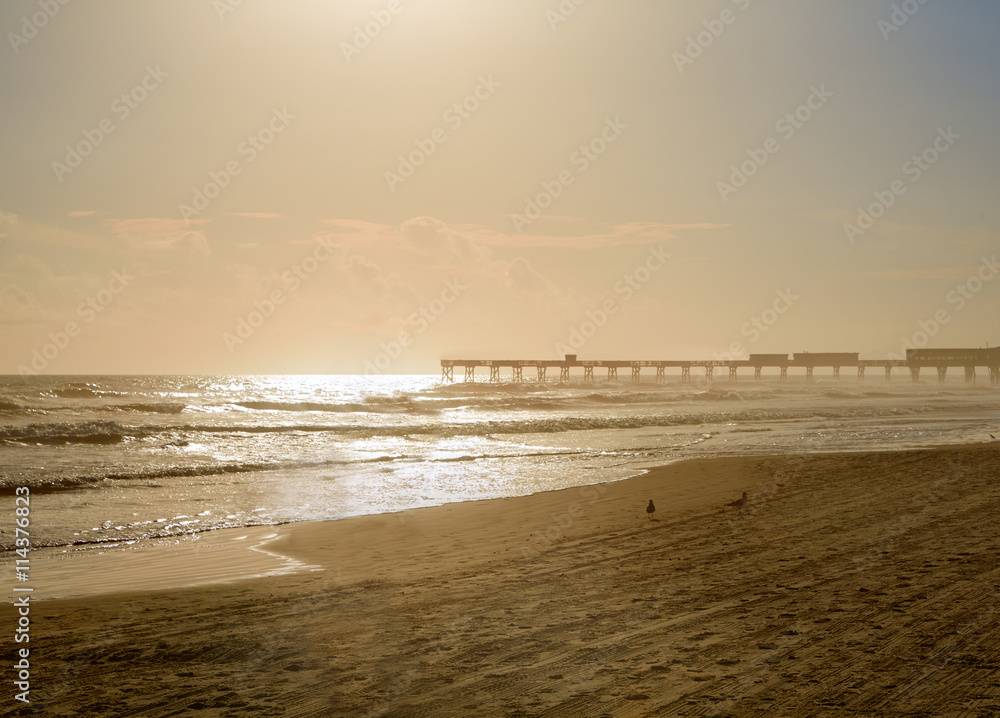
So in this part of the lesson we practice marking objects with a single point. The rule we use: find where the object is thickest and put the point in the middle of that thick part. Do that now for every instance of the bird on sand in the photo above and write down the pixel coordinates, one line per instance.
(650, 509)
(992, 437)
(740, 502)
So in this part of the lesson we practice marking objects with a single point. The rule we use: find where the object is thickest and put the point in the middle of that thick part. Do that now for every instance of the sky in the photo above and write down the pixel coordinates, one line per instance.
(310, 186)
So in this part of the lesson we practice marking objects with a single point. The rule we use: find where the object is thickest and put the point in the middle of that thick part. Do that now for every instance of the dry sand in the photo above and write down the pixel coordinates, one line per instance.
(853, 584)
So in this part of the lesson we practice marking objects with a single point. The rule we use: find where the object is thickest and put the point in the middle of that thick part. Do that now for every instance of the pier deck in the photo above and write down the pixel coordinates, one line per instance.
(916, 359)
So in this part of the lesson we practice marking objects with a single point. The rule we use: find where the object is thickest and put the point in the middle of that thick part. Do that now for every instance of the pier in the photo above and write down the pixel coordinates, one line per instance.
(941, 360)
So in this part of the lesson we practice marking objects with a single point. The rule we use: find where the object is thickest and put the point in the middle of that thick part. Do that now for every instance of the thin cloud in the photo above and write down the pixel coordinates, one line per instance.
(353, 226)
(938, 273)
(608, 236)
(256, 215)
(160, 234)
(82, 213)
(152, 227)
(630, 233)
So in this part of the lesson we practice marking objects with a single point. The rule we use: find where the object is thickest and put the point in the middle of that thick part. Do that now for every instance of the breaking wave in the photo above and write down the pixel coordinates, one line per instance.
(87, 432)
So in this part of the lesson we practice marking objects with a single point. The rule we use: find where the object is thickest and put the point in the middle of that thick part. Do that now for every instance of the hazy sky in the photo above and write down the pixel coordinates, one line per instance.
(307, 185)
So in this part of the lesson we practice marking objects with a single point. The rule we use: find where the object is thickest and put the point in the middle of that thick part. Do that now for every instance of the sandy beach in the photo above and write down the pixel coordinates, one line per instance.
(852, 584)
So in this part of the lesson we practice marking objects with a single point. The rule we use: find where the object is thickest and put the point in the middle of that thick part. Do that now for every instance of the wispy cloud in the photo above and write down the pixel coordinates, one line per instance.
(353, 226)
(82, 212)
(256, 215)
(596, 238)
(591, 237)
(159, 234)
(936, 273)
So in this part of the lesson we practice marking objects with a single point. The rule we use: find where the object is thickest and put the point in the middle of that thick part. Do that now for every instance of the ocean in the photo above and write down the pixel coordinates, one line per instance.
(115, 460)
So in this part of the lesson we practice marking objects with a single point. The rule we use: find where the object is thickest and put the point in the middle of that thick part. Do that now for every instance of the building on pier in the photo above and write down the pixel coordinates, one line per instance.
(943, 359)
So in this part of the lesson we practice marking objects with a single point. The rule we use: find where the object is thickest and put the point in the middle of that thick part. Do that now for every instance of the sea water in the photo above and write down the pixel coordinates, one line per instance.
(115, 460)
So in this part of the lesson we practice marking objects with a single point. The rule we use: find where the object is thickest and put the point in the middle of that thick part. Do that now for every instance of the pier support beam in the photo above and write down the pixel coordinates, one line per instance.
(635, 374)
(915, 373)
(564, 373)
(809, 373)
(756, 373)
(942, 373)
(732, 374)
(888, 373)
(861, 373)
(836, 372)
(588, 373)
(995, 375)
(661, 375)
(784, 373)
(970, 375)
(447, 373)
(470, 373)
(516, 375)
(685, 375)
(612, 373)
(708, 373)
(542, 374)
(495, 374)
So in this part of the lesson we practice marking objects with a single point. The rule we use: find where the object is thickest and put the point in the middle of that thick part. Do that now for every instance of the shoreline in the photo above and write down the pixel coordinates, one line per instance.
(242, 553)
(222, 556)
(852, 583)
(247, 553)
(205, 559)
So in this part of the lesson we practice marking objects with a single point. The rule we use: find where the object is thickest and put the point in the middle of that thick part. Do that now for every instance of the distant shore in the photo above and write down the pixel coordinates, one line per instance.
(850, 583)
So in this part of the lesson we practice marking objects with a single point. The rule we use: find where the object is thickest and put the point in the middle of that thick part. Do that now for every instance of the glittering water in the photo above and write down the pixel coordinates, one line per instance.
(112, 459)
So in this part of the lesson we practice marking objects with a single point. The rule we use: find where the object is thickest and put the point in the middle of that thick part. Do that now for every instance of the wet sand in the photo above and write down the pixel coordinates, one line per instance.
(852, 584)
